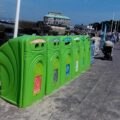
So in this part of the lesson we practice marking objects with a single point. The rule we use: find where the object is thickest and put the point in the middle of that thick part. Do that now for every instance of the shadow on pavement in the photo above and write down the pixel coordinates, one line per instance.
(102, 58)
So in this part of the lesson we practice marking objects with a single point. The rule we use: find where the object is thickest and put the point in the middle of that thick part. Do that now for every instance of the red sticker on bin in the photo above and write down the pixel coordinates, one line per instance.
(37, 84)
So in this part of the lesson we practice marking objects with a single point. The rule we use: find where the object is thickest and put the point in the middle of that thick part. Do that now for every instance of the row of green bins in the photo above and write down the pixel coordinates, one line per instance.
(53, 63)
(32, 66)
(66, 59)
(76, 56)
(23, 70)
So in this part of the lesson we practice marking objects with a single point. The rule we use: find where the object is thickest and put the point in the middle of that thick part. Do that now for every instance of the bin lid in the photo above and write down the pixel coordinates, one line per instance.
(52, 42)
(76, 40)
(35, 43)
(66, 41)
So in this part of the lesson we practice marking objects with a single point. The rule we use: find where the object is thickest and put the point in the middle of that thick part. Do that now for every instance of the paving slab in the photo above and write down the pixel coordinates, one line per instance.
(95, 95)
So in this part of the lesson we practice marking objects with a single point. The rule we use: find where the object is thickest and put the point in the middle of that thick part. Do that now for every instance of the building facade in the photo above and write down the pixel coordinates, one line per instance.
(58, 22)
(57, 19)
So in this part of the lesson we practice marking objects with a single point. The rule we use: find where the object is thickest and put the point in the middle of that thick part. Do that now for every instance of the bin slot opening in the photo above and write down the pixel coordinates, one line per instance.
(42, 45)
(77, 41)
(56, 43)
(36, 45)
(67, 43)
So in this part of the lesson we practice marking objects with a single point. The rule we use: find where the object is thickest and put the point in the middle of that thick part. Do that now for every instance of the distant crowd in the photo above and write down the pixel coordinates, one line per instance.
(105, 43)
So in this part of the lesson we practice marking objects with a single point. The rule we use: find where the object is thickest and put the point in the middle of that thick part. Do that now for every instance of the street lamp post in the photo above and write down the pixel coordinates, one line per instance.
(17, 18)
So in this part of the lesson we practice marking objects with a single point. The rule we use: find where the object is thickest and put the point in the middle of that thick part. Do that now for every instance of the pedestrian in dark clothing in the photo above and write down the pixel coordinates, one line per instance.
(107, 50)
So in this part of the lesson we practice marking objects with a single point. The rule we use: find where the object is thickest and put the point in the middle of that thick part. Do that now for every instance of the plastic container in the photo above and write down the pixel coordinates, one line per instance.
(76, 56)
(82, 54)
(66, 59)
(53, 64)
(23, 70)
(92, 52)
(87, 52)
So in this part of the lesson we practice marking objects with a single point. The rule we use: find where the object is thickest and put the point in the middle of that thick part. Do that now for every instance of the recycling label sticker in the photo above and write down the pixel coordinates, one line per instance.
(37, 84)
(55, 75)
(67, 69)
(77, 66)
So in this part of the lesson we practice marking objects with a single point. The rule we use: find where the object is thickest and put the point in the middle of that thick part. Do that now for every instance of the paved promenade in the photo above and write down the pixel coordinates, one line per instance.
(95, 95)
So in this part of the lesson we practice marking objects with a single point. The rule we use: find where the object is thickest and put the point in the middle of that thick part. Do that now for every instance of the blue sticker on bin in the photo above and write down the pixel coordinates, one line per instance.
(67, 39)
(67, 69)
(55, 75)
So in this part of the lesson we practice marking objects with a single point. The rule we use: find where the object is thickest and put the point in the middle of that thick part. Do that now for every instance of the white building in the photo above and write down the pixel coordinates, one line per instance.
(57, 19)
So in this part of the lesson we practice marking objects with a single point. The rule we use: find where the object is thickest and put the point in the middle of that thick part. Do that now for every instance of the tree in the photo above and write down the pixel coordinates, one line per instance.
(96, 26)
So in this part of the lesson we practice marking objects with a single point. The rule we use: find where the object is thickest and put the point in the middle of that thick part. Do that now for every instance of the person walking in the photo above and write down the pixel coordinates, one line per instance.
(108, 46)
(96, 40)
(107, 50)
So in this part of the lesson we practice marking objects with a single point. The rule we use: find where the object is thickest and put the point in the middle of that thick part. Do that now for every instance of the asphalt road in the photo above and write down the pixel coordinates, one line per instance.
(95, 95)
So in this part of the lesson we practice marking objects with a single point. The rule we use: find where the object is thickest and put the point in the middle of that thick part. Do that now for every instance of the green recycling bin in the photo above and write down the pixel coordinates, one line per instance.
(66, 59)
(53, 63)
(87, 52)
(76, 56)
(82, 54)
(23, 70)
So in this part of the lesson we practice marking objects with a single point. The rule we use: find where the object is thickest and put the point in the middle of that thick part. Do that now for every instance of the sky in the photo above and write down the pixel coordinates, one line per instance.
(80, 11)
